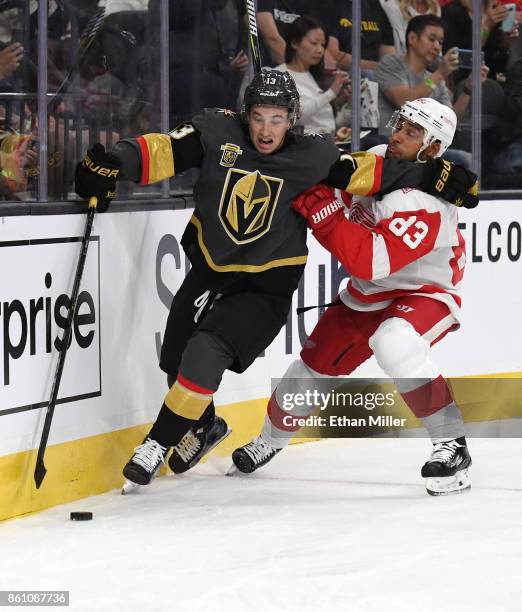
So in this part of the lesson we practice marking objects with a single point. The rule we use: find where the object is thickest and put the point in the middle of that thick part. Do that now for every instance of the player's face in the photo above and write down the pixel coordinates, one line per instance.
(405, 141)
(428, 45)
(310, 49)
(268, 126)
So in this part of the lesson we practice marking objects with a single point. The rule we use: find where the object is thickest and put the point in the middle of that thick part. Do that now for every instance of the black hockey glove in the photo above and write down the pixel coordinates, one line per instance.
(96, 176)
(451, 182)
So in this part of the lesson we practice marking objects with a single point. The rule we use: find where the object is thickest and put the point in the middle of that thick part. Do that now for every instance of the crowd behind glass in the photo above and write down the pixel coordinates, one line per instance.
(115, 91)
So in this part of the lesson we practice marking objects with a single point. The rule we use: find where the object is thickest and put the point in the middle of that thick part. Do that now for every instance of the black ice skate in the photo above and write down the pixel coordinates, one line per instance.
(195, 444)
(446, 471)
(144, 464)
(253, 455)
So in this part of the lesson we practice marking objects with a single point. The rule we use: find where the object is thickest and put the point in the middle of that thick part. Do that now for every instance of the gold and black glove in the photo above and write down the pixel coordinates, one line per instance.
(96, 176)
(451, 182)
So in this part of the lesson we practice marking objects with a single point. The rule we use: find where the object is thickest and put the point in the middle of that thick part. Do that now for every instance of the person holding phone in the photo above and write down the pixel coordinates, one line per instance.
(422, 72)
(510, 22)
(457, 20)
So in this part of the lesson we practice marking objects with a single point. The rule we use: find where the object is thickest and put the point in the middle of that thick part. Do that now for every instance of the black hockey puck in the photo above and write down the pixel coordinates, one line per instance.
(81, 516)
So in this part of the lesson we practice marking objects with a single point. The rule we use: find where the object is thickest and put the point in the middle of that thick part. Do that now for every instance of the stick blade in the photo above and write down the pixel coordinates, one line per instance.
(39, 473)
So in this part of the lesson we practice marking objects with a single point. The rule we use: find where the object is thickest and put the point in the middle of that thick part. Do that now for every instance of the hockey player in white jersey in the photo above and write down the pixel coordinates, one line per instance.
(406, 258)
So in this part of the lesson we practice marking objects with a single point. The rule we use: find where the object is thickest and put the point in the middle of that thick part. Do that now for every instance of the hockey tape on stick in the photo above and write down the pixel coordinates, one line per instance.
(252, 35)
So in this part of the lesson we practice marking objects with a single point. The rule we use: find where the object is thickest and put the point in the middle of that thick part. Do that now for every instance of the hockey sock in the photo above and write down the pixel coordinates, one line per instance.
(208, 416)
(187, 404)
(279, 427)
(169, 427)
(432, 402)
(286, 409)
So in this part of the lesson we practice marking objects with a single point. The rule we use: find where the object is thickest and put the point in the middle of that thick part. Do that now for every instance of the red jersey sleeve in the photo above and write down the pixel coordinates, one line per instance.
(393, 243)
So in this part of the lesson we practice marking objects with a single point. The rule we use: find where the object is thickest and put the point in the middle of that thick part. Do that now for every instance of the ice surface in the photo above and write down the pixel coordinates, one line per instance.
(334, 525)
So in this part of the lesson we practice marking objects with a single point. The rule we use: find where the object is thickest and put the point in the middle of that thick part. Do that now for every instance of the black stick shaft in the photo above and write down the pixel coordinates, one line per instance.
(40, 470)
(253, 36)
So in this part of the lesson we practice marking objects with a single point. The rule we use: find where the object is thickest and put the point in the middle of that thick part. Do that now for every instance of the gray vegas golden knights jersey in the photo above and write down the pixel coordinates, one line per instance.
(243, 219)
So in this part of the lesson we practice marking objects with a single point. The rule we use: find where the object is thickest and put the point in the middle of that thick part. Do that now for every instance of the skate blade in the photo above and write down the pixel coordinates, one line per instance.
(450, 485)
(129, 487)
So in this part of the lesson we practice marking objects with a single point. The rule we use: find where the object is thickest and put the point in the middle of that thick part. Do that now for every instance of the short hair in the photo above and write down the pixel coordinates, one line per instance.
(420, 23)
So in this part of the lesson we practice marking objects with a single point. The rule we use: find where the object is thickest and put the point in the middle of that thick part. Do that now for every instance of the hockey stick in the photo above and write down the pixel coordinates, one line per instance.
(253, 38)
(40, 470)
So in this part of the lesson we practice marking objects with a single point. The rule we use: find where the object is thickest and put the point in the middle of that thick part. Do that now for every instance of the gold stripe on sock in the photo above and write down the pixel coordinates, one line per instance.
(186, 403)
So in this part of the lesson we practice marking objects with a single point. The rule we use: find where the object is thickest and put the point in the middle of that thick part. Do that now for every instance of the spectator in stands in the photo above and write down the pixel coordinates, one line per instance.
(399, 12)
(376, 35)
(274, 18)
(207, 54)
(17, 155)
(503, 142)
(123, 43)
(10, 59)
(304, 55)
(456, 17)
(408, 77)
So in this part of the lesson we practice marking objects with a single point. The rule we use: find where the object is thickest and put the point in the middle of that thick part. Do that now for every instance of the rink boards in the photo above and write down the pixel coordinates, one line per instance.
(112, 386)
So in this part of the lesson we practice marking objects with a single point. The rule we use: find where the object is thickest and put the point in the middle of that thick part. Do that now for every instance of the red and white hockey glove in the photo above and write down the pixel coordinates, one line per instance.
(322, 206)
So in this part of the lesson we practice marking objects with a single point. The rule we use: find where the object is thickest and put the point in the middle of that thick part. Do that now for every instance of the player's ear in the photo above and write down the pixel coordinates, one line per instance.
(431, 151)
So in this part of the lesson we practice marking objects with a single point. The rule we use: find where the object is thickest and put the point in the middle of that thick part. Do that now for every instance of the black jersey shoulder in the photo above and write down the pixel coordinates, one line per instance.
(211, 122)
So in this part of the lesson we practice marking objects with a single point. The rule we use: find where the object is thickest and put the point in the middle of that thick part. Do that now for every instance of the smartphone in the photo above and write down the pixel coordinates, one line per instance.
(509, 22)
(17, 34)
(466, 58)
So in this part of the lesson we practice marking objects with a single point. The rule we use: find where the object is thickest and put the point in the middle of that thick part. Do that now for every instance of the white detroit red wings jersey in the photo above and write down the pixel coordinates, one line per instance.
(408, 243)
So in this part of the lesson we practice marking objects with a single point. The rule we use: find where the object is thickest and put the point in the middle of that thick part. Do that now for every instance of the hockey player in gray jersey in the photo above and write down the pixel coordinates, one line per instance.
(246, 245)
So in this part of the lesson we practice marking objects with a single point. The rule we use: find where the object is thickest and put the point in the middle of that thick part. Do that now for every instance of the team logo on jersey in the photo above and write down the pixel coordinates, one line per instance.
(248, 202)
(404, 308)
(182, 130)
(230, 154)
(361, 212)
